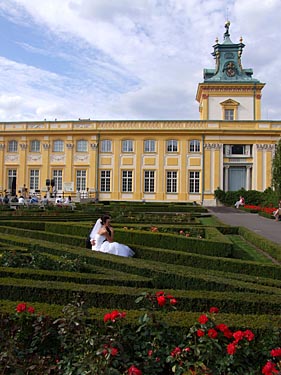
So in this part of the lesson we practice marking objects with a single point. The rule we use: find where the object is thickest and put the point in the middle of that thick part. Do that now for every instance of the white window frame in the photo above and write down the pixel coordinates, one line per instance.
(106, 145)
(81, 179)
(171, 181)
(149, 181)
(12, 173)
(34, 179)
(194, 182)
(35, 146)
(57, 177)
(172, 145)
(58, 145)
(82, 145)
(149, 145)
(127, 181)
(13, 146)
(127, 145)
(194, 145)
(105, 181)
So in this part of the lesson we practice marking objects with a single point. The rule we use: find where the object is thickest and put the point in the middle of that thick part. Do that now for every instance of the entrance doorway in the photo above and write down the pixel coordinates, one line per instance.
(236, 178)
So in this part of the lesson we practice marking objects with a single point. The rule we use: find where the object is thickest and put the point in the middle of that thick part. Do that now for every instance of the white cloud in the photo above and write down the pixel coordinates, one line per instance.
(133, 59)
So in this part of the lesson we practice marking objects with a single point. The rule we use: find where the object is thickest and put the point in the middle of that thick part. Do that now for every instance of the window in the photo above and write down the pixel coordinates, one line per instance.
(149, 181)
(149, 145)
(105, 181)
(82, 145)
(12, 146)
(57, 176)
(34, 179)
(12, 178)
(81, 180)
(106, 145)
(229, 114)
(194, 182)
(127, 181)
(127, 145)
(172, 145)
(35, 146)
(229, 110)
(194, 146)
(172, 180)
(58, 146)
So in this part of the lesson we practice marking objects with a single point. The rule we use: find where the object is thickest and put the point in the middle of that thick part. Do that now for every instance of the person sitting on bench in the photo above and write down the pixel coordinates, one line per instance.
(241, 202)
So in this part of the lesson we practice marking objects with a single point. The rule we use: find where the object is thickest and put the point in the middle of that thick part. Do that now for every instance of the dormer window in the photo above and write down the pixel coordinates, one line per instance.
(229, 114)
(229, 110)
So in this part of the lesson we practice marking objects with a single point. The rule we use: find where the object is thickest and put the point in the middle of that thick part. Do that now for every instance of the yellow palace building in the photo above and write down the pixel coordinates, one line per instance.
(229, 147)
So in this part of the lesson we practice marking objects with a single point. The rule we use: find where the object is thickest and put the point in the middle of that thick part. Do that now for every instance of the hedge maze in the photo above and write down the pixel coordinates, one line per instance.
(44, 262)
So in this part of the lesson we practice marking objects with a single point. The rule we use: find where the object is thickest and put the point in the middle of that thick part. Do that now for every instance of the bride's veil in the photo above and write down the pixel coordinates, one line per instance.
(96, 228)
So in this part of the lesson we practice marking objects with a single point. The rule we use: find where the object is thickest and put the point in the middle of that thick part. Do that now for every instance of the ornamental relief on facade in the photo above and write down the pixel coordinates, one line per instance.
(36, 126)
(34, 158)
(57, 158)
(214, 146)
(11, 158)
(261, 147)
(81, 158)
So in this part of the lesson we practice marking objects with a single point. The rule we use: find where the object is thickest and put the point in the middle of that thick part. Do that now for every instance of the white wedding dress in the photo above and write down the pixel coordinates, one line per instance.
(116, 248)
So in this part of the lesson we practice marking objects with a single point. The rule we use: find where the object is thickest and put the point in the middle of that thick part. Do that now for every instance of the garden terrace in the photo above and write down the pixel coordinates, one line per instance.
(44, 262)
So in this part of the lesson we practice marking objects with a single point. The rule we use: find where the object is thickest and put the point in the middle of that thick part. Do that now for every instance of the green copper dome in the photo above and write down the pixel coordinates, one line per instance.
(228, 62)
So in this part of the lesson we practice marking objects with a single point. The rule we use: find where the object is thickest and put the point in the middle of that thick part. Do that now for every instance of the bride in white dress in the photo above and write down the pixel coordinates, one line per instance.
(102, 239)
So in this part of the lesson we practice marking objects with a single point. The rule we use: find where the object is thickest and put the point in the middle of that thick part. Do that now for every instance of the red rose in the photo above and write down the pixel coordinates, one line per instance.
(134, 371)
(160, 293)
(231, 349)
(248, 334)
(276, 352)
(113, 351)
(150, 352)
(175, 352)
(200, 333)
(161, 300)
(114, 314)
(238, 335)
(21, 307)
(214, 310)
(173, 301)
(269, 369)
(31, 310)
(107, 317)
(227, 333)
(203, 319)
(212, 333)
(221, 327)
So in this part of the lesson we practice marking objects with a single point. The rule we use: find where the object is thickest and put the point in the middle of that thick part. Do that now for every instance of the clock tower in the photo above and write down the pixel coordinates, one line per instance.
(229, 92)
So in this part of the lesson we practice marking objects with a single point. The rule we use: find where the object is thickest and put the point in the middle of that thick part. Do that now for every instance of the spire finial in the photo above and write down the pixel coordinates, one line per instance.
(226, 25)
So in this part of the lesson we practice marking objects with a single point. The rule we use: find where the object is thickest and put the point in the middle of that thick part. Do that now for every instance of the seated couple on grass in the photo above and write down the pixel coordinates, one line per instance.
(101, 238)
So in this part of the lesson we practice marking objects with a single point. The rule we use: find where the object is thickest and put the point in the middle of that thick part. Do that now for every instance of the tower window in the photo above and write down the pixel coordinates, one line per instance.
(229, 114)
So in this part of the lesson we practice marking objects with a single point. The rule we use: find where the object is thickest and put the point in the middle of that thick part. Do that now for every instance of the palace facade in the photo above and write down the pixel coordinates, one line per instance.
(230, 147)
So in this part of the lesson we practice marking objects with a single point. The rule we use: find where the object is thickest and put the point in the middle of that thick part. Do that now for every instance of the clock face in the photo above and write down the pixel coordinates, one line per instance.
(230, 69)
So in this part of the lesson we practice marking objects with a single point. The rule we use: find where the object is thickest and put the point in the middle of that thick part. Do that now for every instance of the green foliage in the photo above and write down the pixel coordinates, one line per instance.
(32, 343)
(276, 170)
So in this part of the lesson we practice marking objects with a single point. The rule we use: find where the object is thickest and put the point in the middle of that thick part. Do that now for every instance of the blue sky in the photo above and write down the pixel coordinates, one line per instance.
(127, 59)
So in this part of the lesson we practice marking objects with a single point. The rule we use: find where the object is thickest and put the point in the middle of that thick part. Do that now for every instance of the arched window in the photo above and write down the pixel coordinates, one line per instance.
(58, 146)
(127, 145)
(149, 145)
(13, 146)
(106, 145)
(194, 145)
(172, 145)
(82, 145)
(35, 146)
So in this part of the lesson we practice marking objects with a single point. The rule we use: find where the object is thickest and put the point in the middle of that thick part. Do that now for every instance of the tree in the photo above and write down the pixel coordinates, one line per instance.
(276, 170)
